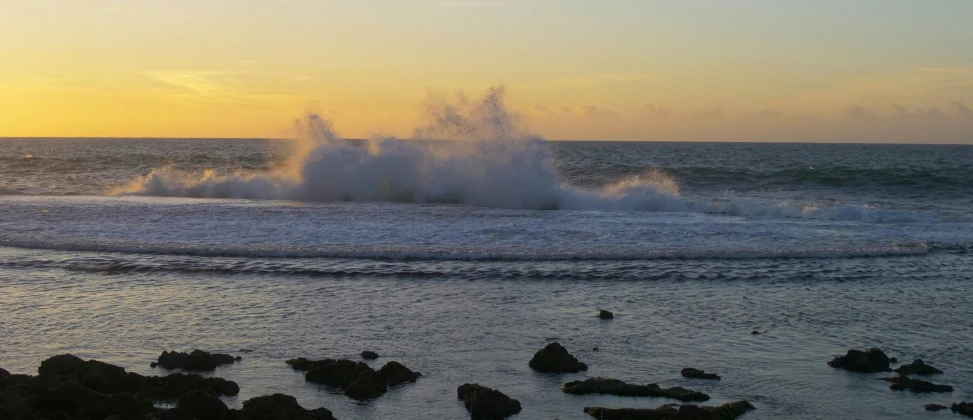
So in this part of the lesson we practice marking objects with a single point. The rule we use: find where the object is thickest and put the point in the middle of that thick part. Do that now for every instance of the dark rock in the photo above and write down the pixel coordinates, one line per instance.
(198, 360)
(369, 355)
(619, 388)
(199, 405)
(486, 403)
(554, 358)
(729, 411)
(870, 361)
(603, 314)
(356, 379)
(935, 407)
(693, 373)
(277, 407)
(174, 385)
(918, 367)
(396, 374)
(594, 349)
(4, 373)
(755, 332)
(963, 408)
(904, 383)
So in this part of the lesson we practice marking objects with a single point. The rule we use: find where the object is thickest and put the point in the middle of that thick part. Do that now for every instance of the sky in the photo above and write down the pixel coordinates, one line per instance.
(706, 70)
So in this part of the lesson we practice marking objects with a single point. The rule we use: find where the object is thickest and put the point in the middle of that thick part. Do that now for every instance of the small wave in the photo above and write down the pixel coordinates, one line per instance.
(479, 254)
(9, 191)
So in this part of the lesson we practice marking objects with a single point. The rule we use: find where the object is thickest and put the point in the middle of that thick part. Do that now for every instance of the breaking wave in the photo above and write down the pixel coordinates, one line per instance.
(473, 153)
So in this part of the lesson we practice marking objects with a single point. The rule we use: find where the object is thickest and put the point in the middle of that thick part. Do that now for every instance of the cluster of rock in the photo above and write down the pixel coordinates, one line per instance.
(68, 388)
(486, 403)
(728, 411)
(874, 360)
(197, 360)
(619, 388)
(355, 379)
(200, 406)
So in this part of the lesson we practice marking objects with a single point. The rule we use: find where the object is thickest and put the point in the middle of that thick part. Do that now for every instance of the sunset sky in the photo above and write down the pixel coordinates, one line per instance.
(760, 70)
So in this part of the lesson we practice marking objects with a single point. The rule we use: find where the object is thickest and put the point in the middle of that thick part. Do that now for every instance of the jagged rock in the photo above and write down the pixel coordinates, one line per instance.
(963, 408)
(728, 411)
(903, 383)
(197, 360)
(918, 367)
(276, 407)
(620, 388)
(603, 314)
(396, 374)
(935, 407)
(698, 374)
(870, 361)
(369, 355)
(554, 358)
(486, 403)
(356, 379)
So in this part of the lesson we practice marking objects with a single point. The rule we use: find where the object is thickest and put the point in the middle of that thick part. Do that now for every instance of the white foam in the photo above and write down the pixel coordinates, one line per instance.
(489, 160)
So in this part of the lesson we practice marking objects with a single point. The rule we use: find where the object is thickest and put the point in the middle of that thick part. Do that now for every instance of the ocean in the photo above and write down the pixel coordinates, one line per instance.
(461, 259)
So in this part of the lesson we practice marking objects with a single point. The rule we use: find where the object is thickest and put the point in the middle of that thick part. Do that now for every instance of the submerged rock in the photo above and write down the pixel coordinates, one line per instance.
(754, 332)
(554, 358)
(728, 411)
(486, 403)
(917, 367)
(904, 383)
(620, 388)
(356, 379)
(935, 407)
(369, 355)
(197, 360)
(963, 408)
(277, 407)
(603, 314)
(871, 361)
(698, 374)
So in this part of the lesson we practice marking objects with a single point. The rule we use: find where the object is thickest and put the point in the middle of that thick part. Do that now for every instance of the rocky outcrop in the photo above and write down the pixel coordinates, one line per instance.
(918, 367)
(369, 355)
(904, 383)
(356, 379)
(68, 387)
(603, 314)
(620, 388)
(871, 361)
(728, 411)
(554, 358)
(486, 403)
(935, 407)
(963, 408)
(693, 373)
(4, 373)
(276, 407)
(197, 360)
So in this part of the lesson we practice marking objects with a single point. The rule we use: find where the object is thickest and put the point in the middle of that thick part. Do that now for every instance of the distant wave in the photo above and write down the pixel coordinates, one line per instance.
(476, 254)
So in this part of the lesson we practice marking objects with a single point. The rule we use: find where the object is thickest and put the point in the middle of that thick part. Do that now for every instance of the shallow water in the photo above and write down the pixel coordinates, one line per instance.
(822, 247)
(457, 327)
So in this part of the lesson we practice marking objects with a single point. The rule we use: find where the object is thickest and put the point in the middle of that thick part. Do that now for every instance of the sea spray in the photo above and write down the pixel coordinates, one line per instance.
(469, 152)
